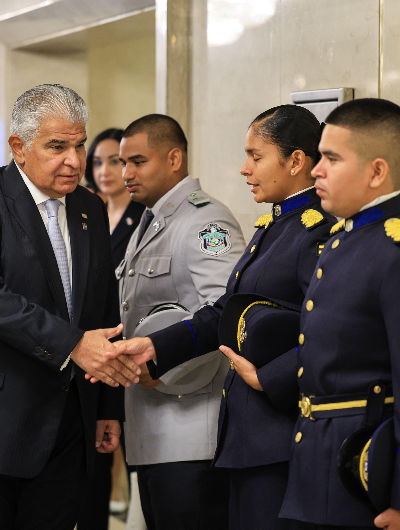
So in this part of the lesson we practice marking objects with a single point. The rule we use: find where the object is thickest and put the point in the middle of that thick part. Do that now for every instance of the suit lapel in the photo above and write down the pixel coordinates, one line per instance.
(23, 208)
(79, 234)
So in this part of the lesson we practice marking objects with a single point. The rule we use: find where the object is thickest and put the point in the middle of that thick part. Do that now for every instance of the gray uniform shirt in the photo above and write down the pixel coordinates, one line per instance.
(185, 257)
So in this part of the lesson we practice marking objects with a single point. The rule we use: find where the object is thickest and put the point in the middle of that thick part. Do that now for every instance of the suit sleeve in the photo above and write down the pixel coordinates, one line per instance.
(279, 377)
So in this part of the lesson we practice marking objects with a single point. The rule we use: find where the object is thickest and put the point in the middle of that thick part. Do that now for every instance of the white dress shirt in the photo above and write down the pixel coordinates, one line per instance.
(39, 197)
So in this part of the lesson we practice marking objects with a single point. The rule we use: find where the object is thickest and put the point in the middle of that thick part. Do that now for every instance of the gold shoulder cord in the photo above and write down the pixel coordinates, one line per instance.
(242, 323)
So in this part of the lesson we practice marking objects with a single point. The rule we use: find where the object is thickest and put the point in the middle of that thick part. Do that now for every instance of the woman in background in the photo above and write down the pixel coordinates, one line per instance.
(104, 177)
(104, 173)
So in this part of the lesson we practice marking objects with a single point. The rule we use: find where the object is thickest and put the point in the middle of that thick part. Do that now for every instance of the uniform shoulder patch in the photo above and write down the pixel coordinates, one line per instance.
(311, 218)
(197, 198)
(214, 240)
(392, 229)
(338, 226)
(264, 220)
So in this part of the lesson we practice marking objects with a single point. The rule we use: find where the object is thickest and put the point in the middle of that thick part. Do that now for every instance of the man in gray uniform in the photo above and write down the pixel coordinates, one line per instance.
(185, 247)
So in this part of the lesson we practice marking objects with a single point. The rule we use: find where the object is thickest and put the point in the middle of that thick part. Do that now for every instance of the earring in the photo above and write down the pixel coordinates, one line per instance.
(292, 172)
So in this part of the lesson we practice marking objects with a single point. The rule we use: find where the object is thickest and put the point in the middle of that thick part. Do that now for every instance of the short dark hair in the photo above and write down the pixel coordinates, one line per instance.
(366, 114)
(160, 129)
(108, 134)
(289, 127)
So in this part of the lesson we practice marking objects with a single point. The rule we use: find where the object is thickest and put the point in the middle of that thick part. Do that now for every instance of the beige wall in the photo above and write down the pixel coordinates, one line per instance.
(121, 73)
(115, 73)
(305, 45)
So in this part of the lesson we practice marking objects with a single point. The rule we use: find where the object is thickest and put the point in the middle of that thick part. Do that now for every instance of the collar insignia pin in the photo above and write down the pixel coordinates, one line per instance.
(84, 215)
(156, 226)
(84, 226)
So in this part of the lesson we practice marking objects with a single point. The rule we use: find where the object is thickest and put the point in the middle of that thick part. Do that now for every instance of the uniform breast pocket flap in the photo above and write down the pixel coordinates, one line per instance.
(155, 284)
(154, 266)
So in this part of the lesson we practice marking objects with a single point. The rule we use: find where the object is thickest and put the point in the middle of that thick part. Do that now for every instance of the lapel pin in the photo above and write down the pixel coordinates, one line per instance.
(84, 226)
(156, 226)
(129, 221)
(84, 215)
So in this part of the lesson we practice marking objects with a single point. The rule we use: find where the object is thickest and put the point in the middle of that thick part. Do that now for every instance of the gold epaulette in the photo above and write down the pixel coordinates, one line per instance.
(264, 221)
(392, 229)
(338, 226)
(310, 218)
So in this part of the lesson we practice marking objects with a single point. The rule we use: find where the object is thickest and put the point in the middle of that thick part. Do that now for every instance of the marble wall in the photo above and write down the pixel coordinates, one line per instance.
(281, 46)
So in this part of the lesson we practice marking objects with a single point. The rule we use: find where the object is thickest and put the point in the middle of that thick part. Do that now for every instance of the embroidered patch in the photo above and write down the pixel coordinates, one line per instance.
(392, 229)
(264, 220)
(320, 248)
(311, 218)
(338, 226)
(214, 240)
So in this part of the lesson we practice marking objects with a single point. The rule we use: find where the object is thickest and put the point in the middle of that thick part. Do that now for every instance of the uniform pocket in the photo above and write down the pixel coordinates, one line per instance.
(155, 284)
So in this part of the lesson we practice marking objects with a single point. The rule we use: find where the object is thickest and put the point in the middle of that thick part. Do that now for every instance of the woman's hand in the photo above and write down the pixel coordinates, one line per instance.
(246, 370)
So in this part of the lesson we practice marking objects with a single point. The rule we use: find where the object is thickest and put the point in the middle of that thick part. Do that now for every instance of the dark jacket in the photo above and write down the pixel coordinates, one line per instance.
(122, 232)
(351, 342)
(36, 336)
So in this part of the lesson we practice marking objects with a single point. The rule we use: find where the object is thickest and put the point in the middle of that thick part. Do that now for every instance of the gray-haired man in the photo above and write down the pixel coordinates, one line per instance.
(56, 282)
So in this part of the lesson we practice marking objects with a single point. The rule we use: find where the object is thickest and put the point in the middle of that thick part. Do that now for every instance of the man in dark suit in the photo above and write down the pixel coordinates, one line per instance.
(57, 288)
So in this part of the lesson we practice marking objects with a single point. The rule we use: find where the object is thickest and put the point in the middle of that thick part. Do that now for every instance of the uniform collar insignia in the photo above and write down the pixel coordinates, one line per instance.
(311, 218)
(363, 218)
(289, 205)
(392, 229)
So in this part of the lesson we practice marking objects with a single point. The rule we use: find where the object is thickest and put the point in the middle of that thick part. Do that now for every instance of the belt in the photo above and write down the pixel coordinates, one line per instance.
(315, 408)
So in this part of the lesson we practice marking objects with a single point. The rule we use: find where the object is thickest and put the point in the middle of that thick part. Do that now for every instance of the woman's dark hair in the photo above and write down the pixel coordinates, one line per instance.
(108, 134)
(290, 127)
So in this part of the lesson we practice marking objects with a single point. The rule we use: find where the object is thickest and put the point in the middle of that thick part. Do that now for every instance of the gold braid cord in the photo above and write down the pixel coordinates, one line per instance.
(242, 323)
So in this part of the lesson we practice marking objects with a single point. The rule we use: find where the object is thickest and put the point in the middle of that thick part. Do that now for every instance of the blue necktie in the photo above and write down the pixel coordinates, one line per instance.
(60, 250)
(148, 217)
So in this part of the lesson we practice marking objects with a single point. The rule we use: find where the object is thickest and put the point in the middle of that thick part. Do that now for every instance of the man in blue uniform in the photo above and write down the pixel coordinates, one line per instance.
(349, 343)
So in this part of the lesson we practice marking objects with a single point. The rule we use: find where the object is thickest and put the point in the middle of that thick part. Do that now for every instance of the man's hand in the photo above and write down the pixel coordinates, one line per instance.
(107, 435)
(246, 370)
(131, 353)
(146, 380)
(389, 519)
(91, 355)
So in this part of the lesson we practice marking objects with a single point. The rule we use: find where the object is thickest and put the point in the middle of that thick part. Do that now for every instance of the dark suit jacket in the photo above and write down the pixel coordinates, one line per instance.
(124, 229)
(36, 336)
(255, 427)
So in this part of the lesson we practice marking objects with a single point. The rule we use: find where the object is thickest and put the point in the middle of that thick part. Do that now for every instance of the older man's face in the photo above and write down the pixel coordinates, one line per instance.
(56, 160)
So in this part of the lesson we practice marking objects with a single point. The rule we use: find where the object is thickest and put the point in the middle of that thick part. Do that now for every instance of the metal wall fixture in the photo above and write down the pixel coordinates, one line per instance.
(322, 102)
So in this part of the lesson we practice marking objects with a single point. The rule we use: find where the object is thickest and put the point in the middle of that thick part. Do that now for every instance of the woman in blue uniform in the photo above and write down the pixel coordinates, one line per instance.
(256, 422)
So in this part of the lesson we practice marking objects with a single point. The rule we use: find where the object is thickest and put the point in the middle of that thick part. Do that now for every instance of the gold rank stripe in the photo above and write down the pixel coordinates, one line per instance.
(344, 405)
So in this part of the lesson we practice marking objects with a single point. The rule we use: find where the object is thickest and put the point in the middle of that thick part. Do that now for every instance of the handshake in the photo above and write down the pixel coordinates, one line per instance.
(118, 363)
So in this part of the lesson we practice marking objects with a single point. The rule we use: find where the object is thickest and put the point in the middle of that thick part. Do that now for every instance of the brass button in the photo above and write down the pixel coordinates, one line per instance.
(335, 244)
(223, 392)
(179, 397)
(298, 437)
(278, 210)
(231, 364)
(131, 272)
(300, 372)
(123, 338)
(237, 275)
(309, 305)
(125, 306)
(150, 271)
(253, 248)
(319, 273)
(377, 389)
(301, 339)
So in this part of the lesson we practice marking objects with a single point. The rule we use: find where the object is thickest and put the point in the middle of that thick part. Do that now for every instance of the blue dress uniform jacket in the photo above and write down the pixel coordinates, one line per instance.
(350, 342)
(254, 427)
